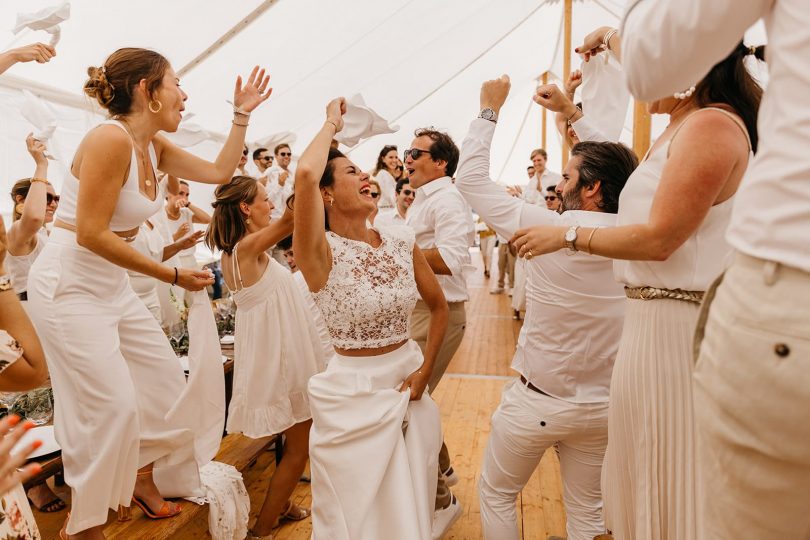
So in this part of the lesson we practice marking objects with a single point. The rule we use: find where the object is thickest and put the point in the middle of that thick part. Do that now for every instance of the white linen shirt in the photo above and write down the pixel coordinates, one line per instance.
(387, 217)
(574, 306)
(279, 194)
(532, 195)
(442, 219)
(772, 209)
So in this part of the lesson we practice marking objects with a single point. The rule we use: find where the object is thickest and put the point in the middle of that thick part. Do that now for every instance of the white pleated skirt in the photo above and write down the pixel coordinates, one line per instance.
(373, 453)
(648, 479)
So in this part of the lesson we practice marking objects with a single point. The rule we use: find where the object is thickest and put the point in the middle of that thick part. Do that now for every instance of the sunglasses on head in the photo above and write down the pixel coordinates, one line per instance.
(285, 154)
(415, 153)
(551, 198)
(52, 198)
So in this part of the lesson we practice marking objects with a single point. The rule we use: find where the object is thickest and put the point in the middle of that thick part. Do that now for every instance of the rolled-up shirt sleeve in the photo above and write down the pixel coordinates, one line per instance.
(670, 45)
(586, 131)
(501, 211)
(455, 233)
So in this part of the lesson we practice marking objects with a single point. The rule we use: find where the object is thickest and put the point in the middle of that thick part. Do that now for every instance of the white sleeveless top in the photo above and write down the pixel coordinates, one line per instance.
(132, 208)
(20, 265)
(371, 292)
(704, 255)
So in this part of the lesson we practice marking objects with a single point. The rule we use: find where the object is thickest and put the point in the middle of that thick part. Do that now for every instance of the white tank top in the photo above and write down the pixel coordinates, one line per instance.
(20, 265)
(132, 208)
(704, 255)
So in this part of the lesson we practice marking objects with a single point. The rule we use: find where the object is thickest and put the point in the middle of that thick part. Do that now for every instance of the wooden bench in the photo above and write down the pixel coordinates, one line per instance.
(236, 450)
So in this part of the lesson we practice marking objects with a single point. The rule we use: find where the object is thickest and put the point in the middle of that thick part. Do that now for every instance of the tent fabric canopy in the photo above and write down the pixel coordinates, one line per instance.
(416, 62)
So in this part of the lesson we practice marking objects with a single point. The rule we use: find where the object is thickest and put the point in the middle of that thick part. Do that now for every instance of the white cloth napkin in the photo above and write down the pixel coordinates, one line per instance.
(37, 113)
(47, 19)
(604, 95)
(227, 499)
(362, 122)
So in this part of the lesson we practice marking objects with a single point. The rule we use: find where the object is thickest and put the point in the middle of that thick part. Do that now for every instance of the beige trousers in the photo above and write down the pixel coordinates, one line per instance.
(457, 321)
(751, 397)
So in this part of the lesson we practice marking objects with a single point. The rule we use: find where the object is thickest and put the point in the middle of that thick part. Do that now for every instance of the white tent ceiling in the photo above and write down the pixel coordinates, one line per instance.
(417, 62)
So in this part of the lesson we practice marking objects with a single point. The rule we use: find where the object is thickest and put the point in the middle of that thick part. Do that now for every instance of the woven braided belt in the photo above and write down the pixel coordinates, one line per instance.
(654, 293)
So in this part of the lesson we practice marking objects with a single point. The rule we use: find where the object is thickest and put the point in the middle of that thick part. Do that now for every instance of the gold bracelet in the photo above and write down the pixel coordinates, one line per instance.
(330, 122)
(44, 181)
(590, 237)
(238, 124)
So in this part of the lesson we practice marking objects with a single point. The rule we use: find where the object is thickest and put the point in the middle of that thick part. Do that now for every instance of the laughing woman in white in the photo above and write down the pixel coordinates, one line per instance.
(670, 246)
(375, 434)
(277, 344)
(114, 374)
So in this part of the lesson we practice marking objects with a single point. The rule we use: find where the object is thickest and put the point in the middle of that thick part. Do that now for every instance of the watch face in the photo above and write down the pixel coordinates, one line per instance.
(570, 235)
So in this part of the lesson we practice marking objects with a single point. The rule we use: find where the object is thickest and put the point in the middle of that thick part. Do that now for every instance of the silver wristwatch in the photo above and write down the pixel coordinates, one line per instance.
(488, 114)
(571, 239)
(5, 283)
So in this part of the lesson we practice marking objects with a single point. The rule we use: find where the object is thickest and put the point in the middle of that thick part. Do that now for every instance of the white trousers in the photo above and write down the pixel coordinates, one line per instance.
(114, 378)
(751, 395)
(524, 426)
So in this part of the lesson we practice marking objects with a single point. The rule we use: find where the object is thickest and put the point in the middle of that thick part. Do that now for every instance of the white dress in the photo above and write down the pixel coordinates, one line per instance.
(373, 452)
(277, 349)
(648, 479)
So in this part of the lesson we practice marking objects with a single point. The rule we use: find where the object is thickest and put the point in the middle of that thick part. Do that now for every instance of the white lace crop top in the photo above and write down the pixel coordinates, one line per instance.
(371, 292)
(132, 208)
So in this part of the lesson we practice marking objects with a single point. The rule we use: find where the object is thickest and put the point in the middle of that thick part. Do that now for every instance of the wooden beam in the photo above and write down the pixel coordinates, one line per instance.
(227, 36)
(641, 129)
(543, 138)
(569, 14)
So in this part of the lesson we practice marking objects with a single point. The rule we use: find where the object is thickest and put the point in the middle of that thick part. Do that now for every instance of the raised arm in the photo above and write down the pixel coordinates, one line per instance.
(36, 52)
(261, 241)
(503, 212)
(669, 45)
(32, 219)
(178, 162)
(312, 254)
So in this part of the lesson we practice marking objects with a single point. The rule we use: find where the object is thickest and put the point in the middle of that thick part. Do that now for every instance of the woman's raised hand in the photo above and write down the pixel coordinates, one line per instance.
(254, 92)
(36, 52)
(37, 150)
(335, 111)
(593, 43)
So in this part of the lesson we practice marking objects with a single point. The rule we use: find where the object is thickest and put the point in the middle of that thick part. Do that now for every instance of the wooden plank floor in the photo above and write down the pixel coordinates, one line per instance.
(467, 396)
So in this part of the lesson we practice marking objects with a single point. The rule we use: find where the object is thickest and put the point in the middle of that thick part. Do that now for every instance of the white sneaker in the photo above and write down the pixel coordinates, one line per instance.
(443, 519)
(450, 477)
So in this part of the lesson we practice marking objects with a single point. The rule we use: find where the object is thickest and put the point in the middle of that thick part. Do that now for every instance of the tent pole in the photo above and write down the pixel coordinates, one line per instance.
(545, 81)
(641, 128)
(569, 13)
(227, 36)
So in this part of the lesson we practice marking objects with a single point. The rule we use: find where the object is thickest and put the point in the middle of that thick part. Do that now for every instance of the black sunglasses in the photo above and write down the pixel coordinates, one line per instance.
(551, 198)
(415, 153)
(407, 192)
(52, 198)
(244, 152)
(374, 195)
(266, 158)
(285, 154)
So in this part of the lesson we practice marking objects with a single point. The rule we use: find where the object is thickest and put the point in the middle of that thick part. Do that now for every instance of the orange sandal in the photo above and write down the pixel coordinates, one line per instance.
(167, 510)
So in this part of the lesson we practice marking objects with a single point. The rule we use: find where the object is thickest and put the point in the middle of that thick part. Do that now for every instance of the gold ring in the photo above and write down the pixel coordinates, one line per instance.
(529, 255)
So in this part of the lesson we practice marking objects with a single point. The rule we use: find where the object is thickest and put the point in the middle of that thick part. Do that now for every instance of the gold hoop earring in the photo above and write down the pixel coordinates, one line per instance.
(157, 108)
(19, 208)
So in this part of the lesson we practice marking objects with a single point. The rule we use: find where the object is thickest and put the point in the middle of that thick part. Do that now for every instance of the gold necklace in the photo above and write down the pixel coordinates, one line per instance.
(147, 181)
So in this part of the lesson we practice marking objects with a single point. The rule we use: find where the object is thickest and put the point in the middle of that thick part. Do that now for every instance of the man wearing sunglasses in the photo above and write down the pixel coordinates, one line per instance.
(396, 215)
(263, 160)
(445, 231)
(570, 337)
(553, 199)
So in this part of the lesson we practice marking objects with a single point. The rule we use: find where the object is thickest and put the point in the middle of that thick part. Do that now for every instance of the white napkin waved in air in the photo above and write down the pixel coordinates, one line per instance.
(40, 116)
(47, 19)
(362, 122)
(604, 95)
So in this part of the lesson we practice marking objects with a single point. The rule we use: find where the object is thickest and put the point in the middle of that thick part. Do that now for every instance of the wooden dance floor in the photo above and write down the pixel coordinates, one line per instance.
(467, 396)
